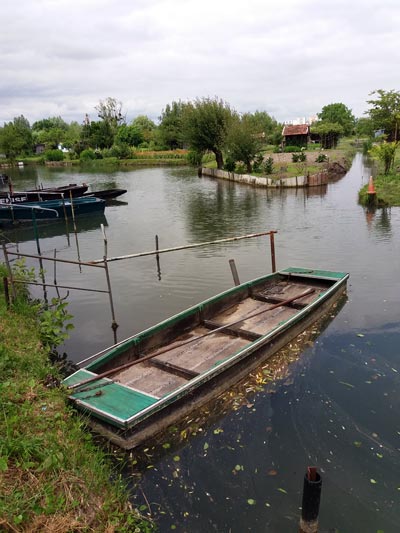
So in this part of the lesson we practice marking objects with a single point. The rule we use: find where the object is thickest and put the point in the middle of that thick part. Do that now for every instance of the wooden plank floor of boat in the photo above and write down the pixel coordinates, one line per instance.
(157, 378)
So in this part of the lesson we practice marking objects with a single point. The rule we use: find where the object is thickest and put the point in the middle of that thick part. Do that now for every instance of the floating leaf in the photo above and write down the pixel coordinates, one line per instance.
(218, 431)
(272, 472)
(238, 467)
(177, 458)
(250, 501)
(347, 384)
(205, 447)
(373, 481)
(166, 445)
(379, 455)
(357, 444)
(267, 504)
(360, 335)
(282, 490)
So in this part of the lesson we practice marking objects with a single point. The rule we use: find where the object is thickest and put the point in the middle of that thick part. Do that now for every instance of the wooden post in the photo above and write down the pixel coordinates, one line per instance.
(234, 272)
(158, 260)
(6, 292)
(114, 324)
(10, 274)
(311, 500)
(272, 245)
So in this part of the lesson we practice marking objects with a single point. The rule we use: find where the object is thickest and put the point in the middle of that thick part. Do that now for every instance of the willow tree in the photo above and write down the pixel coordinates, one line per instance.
(206, 123)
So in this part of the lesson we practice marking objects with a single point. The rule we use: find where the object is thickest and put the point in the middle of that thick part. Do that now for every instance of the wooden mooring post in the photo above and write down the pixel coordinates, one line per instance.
(311, 500)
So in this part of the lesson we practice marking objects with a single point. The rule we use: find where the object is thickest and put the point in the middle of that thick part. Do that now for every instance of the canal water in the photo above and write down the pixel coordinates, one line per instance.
(331, 399)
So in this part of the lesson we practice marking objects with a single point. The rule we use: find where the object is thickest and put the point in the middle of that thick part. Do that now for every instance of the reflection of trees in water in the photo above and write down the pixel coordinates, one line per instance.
(226, 211)
(379, 221)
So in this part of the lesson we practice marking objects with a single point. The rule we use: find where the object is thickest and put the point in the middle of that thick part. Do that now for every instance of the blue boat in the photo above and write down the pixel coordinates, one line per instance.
(49, 210)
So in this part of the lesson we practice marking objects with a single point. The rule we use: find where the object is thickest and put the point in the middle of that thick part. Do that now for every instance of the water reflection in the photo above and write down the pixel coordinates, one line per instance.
(379, 221)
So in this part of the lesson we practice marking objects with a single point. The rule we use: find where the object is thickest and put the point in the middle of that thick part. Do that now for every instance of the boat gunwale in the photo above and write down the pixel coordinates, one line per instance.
(226, 363)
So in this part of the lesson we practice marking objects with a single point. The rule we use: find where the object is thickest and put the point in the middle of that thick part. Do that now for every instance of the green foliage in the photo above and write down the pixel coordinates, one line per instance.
(16, 138)
(120, 151)
(288, 149)
(170, 130)
(257, 163)
(321, 158)
(129, 135)
(385, 112)
(145, 128)
(87, 155)
(110, 113)
(54, 155)
(366, 147)
(230, 164)
(340, 114)
(195, 158)
(299, 157)
(385, 153)
(268, 165)
(54, 323)
(206, 124)
(329, 133)
(364, 127)
(242, 142)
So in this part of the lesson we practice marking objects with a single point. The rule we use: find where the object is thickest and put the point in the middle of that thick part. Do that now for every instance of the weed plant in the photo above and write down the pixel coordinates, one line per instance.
(52, 475)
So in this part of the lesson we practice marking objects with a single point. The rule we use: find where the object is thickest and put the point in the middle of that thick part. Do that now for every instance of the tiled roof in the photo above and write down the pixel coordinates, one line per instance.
(299, 129)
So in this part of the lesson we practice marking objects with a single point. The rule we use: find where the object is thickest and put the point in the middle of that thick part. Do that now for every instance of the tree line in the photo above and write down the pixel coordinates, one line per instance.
(201, 125)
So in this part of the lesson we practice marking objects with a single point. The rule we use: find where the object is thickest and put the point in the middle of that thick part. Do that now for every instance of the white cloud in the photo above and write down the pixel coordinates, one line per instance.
(289, 58)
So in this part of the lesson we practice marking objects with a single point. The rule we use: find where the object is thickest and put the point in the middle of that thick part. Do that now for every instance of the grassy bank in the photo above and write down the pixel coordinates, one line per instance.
(284, 167)
(387, 187)
(52, 476)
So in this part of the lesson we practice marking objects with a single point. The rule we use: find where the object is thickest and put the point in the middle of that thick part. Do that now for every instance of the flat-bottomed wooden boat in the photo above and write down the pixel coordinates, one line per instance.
(135, 389)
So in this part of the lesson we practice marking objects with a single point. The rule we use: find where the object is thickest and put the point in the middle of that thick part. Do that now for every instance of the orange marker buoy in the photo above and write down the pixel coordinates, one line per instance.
(371, 187)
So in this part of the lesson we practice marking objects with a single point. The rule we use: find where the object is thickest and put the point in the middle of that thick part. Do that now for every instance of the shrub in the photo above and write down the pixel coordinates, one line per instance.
(230, 164)
(293, 148)
(195, 158)
(258, 160)
(87, 155)
(299, 157)
(321, 158)
(54, 155)
(269, 165)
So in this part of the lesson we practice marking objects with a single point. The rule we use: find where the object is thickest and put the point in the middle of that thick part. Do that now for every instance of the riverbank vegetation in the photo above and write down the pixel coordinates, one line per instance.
(381, 144)
(52, 475)
(185, 134)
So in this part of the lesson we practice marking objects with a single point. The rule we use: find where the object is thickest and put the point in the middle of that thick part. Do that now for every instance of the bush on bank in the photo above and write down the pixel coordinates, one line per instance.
(52, 476)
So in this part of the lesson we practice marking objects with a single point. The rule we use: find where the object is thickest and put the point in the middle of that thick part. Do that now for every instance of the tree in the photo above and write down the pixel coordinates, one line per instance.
(385, 112)
(243, 141)
(97, 135)
(50, 131)
(170, 128)
(110, 111)
(385, 152)
(329, 133)
(263, 124)
(340, 114)
(364, 127)
(16, 138)
(145, 127)
(130, 135)
(206, 123)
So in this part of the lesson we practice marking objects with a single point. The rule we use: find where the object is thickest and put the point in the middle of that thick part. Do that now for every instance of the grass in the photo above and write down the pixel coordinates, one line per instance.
(387, 187)
(52, 475)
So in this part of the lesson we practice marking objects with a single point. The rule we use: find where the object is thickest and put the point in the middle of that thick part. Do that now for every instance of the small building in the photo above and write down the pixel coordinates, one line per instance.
(40, 148)
(296, 135)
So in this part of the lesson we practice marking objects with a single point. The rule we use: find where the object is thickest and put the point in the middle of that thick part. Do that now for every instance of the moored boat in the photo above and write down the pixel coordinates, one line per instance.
(49, 209)
(106, 194)
(136, 388)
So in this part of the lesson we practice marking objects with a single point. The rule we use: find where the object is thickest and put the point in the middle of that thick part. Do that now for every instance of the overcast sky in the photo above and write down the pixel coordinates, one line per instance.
(287, 57)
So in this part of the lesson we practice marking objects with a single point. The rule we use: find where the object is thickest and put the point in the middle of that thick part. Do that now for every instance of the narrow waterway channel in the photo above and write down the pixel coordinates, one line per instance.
(239, 465)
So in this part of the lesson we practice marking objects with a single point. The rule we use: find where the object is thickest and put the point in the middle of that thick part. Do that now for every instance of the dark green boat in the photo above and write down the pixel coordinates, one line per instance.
(49, 210)
(135, 389)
